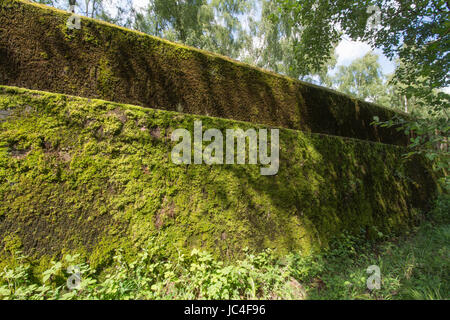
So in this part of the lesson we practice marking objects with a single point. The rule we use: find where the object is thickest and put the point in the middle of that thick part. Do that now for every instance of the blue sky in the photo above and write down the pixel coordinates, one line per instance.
(348, 51)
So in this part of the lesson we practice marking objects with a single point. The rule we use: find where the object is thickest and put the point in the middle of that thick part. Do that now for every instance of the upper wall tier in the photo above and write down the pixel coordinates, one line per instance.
(100, 60)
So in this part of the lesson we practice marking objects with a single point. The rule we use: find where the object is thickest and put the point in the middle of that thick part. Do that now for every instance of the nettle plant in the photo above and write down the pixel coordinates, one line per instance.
(151, 275)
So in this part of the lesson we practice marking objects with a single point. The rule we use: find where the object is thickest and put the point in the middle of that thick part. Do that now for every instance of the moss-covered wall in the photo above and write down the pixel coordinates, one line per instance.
(92, 176)
(37, 51)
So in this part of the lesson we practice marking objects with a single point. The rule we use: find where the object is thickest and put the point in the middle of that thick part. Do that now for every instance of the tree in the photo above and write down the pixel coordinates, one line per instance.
(282, 46)
(93, 8)
(124, 14)
(363, 79)
(210, 25)
(416, 32)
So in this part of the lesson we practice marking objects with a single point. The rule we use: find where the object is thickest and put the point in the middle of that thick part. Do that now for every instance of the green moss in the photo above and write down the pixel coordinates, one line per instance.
(106, 81)
(91, 176)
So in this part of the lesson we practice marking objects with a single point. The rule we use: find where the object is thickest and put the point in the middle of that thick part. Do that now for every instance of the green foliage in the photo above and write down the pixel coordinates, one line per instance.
(295, 49)
(429, 137)
(415, 31)
(363, 79)
(210, 25)
(151, 275)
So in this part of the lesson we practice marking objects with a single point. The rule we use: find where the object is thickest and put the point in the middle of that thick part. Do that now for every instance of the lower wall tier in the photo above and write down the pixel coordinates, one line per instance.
(92, 176)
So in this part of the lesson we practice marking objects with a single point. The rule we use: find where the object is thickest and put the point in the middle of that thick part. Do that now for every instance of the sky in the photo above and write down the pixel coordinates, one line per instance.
(139, 3)
(348, 51)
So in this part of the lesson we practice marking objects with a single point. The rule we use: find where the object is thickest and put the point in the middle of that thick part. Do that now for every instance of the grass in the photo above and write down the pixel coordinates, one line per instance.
(414, 266)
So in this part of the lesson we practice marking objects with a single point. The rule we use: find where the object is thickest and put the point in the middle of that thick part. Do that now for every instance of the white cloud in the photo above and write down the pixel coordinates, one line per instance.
(140, 4)
(348, 51)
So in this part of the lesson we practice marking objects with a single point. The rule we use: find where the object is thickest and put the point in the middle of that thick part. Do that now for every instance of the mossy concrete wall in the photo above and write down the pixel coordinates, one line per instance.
(94, 176)
(37, 51)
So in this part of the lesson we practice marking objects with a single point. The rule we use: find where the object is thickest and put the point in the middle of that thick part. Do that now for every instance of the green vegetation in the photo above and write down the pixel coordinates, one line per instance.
(430, 139)
(412, 267)
(414, 33)
(208, 25)
(90, 183)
